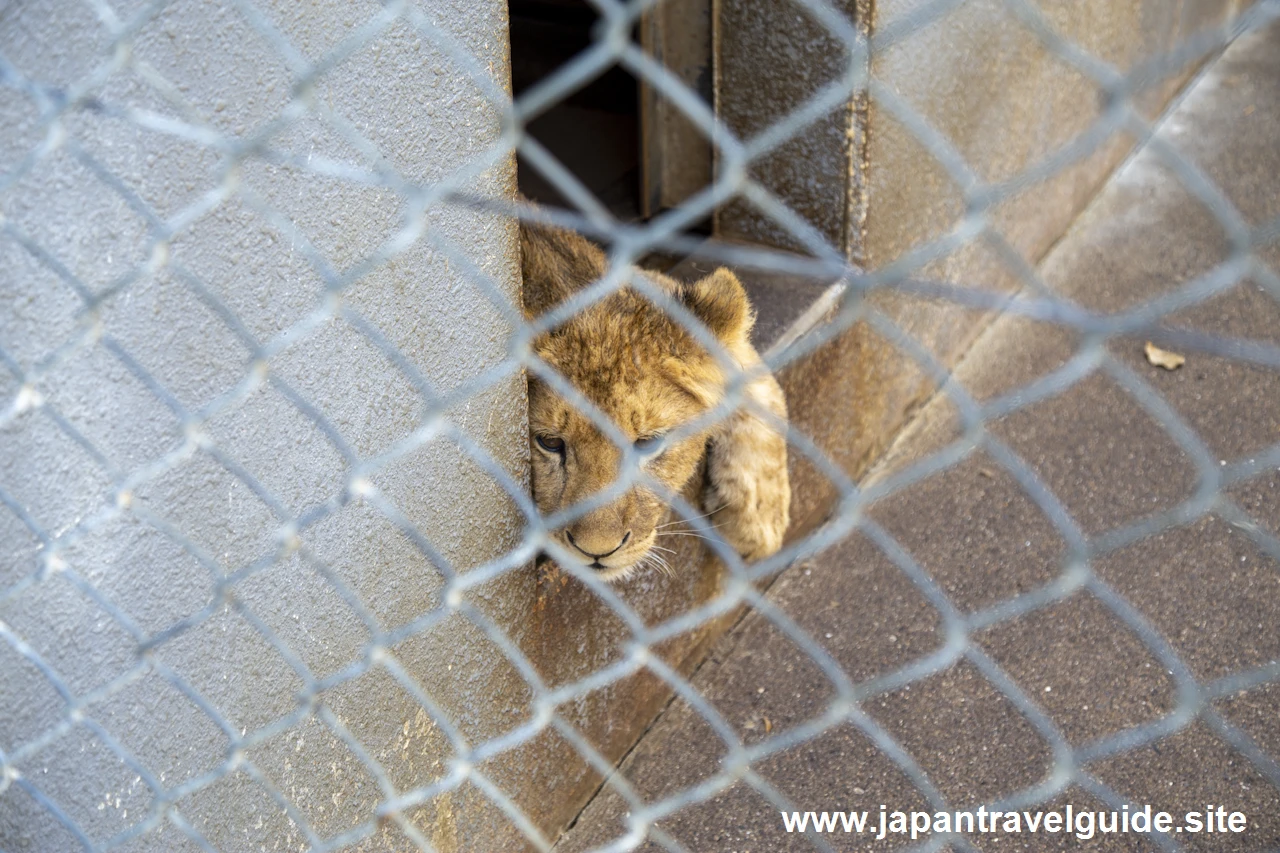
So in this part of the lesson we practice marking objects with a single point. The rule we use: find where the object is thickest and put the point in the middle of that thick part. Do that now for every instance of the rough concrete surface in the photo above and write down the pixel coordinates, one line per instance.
(392, 91)
(1208, 590)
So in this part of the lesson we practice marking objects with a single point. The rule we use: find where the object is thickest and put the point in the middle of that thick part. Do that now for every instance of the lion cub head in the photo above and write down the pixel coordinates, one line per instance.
(640, 368)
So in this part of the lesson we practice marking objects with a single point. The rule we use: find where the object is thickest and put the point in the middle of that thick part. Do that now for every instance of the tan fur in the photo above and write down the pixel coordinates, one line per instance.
(645, 372)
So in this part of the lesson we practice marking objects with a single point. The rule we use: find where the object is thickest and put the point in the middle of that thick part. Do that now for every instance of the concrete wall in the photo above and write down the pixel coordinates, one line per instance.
(417, 107)
(975, 74)
(1000, 99)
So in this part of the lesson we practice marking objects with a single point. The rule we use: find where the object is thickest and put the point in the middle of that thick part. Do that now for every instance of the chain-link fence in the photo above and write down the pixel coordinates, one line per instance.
(209, 644)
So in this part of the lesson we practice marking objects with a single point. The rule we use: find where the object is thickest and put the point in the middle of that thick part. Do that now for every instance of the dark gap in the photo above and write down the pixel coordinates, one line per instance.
(595, 131)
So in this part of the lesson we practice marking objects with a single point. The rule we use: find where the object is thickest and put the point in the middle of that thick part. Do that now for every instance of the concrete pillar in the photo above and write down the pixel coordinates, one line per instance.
(132, 362)
(973, 72)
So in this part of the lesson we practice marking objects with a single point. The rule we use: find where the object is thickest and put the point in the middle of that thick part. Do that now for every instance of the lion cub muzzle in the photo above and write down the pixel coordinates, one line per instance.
(613, 539)
(587, 549)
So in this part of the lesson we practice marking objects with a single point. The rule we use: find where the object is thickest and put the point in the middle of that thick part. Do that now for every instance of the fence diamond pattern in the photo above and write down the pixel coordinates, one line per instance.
(151, 102)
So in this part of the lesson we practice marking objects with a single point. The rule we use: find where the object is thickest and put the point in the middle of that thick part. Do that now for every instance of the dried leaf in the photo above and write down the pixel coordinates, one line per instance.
(1163, 358)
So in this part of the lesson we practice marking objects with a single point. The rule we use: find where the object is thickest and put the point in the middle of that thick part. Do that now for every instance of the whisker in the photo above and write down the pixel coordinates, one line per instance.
(661, 564)
(704, 526)
(683, 520)
(690, 531)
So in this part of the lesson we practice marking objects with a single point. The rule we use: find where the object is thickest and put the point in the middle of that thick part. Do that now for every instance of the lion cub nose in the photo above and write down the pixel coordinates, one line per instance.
(596, 545)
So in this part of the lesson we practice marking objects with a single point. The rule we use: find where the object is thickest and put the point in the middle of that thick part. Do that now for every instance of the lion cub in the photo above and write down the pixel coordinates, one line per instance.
(643, 370)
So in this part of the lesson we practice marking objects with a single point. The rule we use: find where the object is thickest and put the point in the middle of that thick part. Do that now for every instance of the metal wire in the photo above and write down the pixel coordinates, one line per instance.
(54, 563)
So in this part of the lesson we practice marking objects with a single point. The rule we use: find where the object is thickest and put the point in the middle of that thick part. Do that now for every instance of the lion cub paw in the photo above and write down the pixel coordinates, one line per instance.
(748, 492)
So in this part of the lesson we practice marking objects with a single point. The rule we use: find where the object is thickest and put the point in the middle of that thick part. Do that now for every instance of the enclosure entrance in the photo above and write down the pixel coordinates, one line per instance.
(594, 132)
(625, 143)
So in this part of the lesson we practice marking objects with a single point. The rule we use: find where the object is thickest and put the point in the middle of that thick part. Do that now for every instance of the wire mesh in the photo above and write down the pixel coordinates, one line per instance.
(388, 798)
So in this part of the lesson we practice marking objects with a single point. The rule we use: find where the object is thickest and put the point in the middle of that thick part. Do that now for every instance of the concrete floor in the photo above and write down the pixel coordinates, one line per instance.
(1206, 589)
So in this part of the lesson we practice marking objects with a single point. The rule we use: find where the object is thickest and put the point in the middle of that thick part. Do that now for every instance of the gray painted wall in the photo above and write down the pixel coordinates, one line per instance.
(426, 119)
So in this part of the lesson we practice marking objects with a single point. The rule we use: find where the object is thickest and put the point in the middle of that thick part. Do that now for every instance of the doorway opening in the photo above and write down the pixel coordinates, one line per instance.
(628, 145)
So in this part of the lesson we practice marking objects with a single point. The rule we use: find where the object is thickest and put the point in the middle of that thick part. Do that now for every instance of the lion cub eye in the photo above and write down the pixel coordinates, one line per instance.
(648, 444)
(550, 443)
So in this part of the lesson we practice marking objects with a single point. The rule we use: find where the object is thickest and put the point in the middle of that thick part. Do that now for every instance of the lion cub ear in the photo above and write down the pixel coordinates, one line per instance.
(721, 303)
